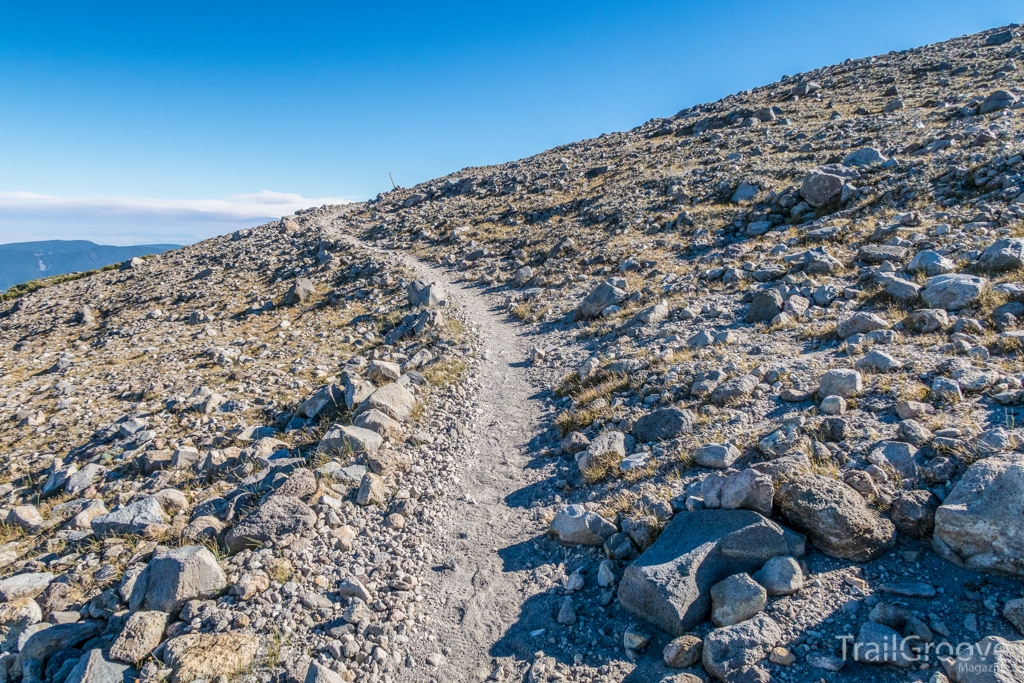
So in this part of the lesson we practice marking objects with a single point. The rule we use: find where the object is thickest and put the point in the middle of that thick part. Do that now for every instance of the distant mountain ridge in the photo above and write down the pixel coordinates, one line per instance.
(24, 261)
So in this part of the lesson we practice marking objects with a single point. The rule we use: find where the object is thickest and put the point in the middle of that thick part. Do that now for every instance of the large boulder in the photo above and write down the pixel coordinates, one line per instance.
(765, 305)
(841, 382)
(669, 584)
(424, 293)
(991, 660)
(1000, 99)
(608, 447)
(861, 323)
(300, 290)
(132, 519)
(141, 635)
(391, 399)
(663, 424)
(324, 401)
(820, 188)
(575, 525)
(24, 585)
(978, 525)
(735, 391)
(835, 518)
(93, 667)
(604, 295)
(209, 655)
(173, 578)
(733, 653)
(278, 516)
(345, 440)
(953, 291)
(735, 599)
(42, 644)
(1003, 255)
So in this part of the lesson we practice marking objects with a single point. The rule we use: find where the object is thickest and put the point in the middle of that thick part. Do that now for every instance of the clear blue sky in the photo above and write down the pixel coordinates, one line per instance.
(222, 100)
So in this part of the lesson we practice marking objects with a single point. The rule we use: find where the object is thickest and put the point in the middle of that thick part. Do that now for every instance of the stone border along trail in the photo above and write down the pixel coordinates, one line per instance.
(473, 605)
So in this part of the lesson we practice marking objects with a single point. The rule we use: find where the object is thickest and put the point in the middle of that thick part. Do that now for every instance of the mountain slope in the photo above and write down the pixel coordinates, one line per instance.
(24, 261)
(711, 398)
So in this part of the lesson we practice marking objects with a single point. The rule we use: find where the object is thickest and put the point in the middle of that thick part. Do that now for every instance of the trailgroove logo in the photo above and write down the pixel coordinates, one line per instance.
(977, 657)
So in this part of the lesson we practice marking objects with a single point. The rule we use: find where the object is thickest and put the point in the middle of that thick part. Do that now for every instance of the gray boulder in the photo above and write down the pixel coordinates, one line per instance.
(608, 446)
(953, 291)
(991, 660)
(391, 399)
(844, 383)
(1000, 99)
(780, 576)
(861, 323)
(902, 457)
(663, 424)
(130, 519)
(324, 401)
(734, 653)
(735, 391)
(173, 578)
(424, 293)
(977, 526)
(141, 635)
(1003, 255)
(931, 264)
(575, 525)
(819, 188)
(879, 644)
(717, 455)
(835, 518)
(301, 289)
(913, 512)
(345, 440)
(669, 584)
(93, 667)
(747, 490)
(24, 585)
(604, 295)
(278, 516)
(84, 478)
(736, 598)
(865, 156)
(765, 305)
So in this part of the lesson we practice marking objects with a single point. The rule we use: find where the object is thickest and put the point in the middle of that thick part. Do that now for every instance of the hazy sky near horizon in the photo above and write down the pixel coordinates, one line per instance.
(128, 122)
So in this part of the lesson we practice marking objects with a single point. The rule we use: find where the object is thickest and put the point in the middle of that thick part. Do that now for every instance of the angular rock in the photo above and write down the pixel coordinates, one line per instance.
(130, 519)
(735, 391)
(976, 525)
(208, 655)
(425, 293)
(300, 290)
(952, 292)
(93, 667)
(173, 578)
(141, 635)
(663, 424)
(345, 441)
(24, 585)
(765, 305)
(780, 576)
(604, 295)
(736, 598)
(861, 323)
(391, 399)
(732, 652)
(278, 516)
(844, 383)
(819, 188)
(835, 518)
(669, 584)
(1003, 255)
(716, 455)
(575, 525)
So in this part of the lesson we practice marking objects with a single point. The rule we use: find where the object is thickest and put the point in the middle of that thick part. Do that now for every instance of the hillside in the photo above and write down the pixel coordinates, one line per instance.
(733, 395)
(24, 261)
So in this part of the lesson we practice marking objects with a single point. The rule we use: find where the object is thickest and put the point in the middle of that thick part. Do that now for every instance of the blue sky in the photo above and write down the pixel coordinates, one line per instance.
(132, 122)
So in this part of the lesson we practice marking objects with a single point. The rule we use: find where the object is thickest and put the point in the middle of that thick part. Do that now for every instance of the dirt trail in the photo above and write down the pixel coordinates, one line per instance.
(474, 605)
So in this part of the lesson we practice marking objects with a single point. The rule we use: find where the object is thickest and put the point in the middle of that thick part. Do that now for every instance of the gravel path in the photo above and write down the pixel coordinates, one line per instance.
(484, 529)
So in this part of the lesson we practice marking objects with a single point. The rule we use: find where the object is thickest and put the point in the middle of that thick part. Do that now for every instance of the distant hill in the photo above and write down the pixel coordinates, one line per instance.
(24, 261)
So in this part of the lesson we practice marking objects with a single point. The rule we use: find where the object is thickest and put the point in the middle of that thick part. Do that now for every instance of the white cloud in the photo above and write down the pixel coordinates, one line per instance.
(26, 216)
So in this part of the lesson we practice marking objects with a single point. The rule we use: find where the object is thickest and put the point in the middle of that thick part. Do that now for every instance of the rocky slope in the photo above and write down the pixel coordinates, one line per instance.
(733, 395)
